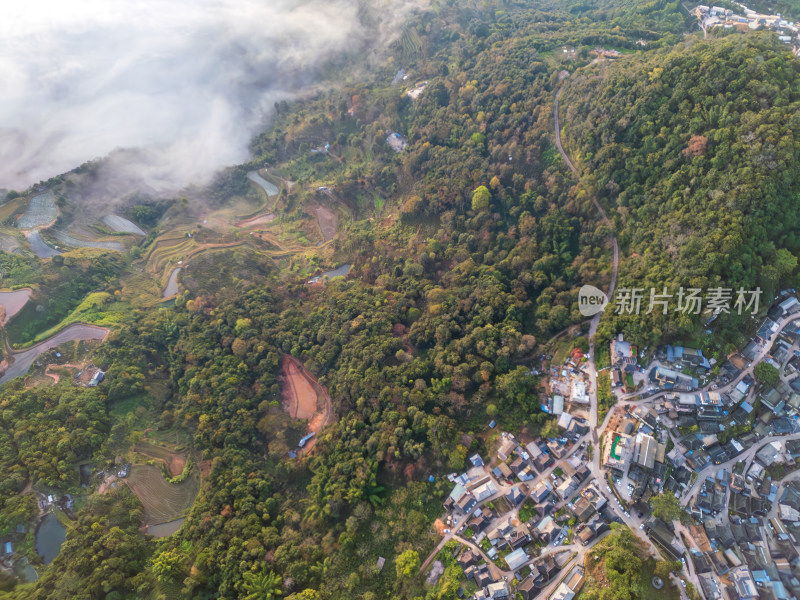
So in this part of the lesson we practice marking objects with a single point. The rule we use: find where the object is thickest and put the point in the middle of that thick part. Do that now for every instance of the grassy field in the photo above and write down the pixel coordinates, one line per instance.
(602, 356)
(605, 397)
(162, 501)
(96, 309)
(12, 208)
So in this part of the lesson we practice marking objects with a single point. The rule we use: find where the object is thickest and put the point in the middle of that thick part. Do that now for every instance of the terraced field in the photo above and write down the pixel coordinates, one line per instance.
(121, 225)
(9, 242)
(167, 251)
(10, 208)
(163, 501)
(40, 212)
(74, 242)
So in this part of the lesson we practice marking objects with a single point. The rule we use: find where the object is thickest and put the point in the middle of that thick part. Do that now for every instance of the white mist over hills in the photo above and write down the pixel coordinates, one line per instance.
(188, 81)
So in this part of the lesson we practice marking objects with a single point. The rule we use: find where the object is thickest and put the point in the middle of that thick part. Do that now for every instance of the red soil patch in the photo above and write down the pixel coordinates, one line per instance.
(56, 376)
(176, 464)
(174, 461)
(301, 395)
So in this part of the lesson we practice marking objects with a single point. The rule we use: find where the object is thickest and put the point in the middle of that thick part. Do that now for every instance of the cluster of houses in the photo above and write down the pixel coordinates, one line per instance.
(745, 546)
(716, 16)
(752, 557)
(635, 452)
(750, 488)
(538, 497)
(570, 386)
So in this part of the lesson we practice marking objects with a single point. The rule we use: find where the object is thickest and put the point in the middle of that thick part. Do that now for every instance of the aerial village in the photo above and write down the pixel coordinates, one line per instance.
(710, 17)
(725, 445)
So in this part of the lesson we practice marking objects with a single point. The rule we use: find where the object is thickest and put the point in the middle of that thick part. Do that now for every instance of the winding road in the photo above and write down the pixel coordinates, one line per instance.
(270, 189)
(598, 474)
(23, 359)
(171, 289)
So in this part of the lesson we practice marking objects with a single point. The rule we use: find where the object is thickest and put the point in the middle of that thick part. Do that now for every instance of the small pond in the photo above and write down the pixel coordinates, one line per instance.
(165, 529)
(337, 272)
(172, 284)
(49, 536)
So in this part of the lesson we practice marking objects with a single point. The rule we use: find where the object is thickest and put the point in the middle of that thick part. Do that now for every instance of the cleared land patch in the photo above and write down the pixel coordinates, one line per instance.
(121, 225)
(174, 460)
(304, 397)
(163, 501)
(299, 396)
(56, 372)
(328, 221)
(12, 302)
(261, 219)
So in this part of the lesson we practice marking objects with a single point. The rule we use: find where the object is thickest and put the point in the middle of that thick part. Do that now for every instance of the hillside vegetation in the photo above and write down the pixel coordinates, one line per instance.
(695, 154)
(467, 250)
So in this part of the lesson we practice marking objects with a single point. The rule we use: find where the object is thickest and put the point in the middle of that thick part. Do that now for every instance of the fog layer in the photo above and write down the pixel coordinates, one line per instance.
(189, 81)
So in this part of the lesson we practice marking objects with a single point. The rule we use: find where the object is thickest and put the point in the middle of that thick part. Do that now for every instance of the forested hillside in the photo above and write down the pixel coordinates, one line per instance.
(467, 250)
(699, 145)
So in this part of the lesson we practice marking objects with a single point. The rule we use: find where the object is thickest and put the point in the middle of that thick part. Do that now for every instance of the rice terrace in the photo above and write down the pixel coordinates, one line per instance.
(162, 501)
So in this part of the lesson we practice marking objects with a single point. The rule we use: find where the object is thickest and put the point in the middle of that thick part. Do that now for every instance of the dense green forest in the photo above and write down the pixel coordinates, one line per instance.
(467, 250)
(697, 143)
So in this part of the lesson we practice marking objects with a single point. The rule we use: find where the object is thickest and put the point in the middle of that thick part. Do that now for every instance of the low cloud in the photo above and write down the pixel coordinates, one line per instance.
(188, 82)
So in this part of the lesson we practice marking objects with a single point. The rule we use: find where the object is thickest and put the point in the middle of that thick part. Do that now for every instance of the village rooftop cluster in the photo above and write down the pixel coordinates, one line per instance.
(723, 443)
(711, 17)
